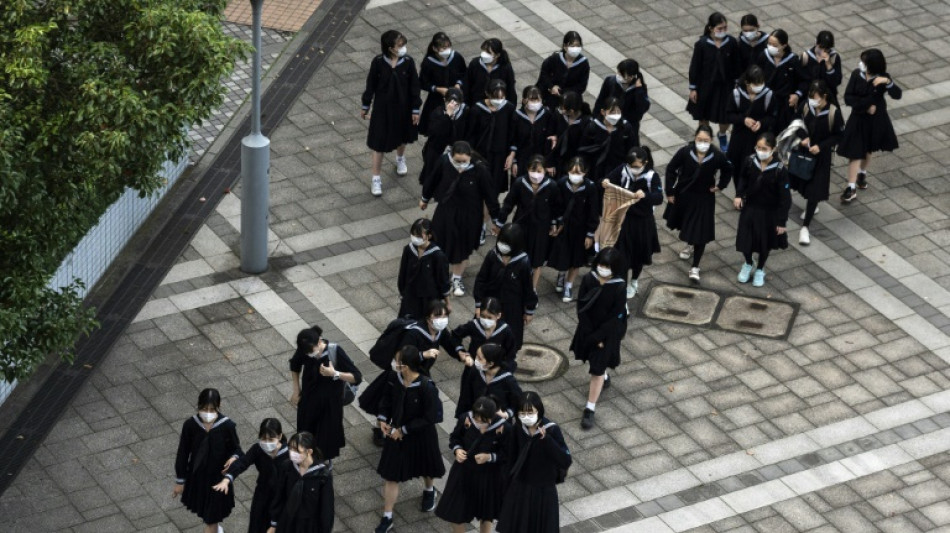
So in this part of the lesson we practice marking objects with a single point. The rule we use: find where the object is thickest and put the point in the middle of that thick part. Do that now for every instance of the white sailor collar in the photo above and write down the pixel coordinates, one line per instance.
(709, 155)
(218, 421)
(762, 38)
(788, 57)
(494, 425)
(438, 60)
(425, 332)
(498, 377)
(577, 61)
(725, 40)
(544, 183)
(488, 109)
(498, 328)
(430, 250)
(525, 116)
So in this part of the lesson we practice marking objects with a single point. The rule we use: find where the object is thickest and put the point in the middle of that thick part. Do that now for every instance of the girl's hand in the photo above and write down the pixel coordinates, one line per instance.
(509, 160)
(671, 199)
(749, 123)
(327, 370)
(502, 414)
(469, 361)
(441, 90)
(177, 490)
(423, 205)
(541, 431)
(415, 120)
(228, 463)
(553, 140)
(460, 455)
(527, 319)
(396, 434)
(364, 114)
(600, 345)
(714, 189)
(814, 149)
(639, 83)
(605, 183)
(495, 230)
(272, 530)
(757, 126)
(872, 110)
(588, 242)
(737, 203)
(386, 428)
(779, 230)
(223, 486)
(482, 458)
(431, 353)
(556, 91)
(692, 95)
(793, 100)
(805, 142)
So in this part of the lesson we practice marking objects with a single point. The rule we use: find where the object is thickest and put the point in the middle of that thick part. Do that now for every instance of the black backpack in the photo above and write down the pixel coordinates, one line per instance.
(384, 351)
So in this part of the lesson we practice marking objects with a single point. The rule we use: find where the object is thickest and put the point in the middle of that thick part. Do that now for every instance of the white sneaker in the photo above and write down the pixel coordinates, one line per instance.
(457, 288)
(804, 237)
(220, 529)
(633, 288)
(802, 216)
(377, 187)
(567, 296)
(694, 274)
(401, 169)
(686, 253)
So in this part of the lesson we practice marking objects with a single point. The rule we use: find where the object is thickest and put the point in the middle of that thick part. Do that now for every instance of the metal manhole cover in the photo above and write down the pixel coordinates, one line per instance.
(757, 316)
(537, 362)
(681, 304)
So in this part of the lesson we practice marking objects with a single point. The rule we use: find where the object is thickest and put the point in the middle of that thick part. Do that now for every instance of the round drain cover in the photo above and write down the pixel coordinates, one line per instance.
(537, 362)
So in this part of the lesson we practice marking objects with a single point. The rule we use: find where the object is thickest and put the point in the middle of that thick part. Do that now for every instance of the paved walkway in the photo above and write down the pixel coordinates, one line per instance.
(843, 426)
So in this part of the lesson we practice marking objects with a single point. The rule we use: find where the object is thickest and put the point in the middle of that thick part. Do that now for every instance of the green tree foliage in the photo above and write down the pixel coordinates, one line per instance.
(94, 96)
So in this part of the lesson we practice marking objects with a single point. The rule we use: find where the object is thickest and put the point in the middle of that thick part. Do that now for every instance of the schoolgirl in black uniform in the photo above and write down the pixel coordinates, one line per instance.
(784, 75)
(442, 69)
(408, 414)
(318, 396)
(538, 458)
(431, 333)
(489, 377)
(752, 41)
(304, 500)
(575, 233)
(478, 477)
(423, 271)
(506, 275)
(461, 184)
(267, 455)
(392, 88)
(638, 239)
(575, 115)
(488, 326)
(825, 125)
(536, 203)
(607, 140)
(630, 88)
(489, 131)
(763, 200)
(691, 188)
(601, 324)
(492, 64)
(822, 62)
(751, 111)
(208, 445)
(713, 70)
(447, 125)
(534, 130)
(564, 70)
(869, 128)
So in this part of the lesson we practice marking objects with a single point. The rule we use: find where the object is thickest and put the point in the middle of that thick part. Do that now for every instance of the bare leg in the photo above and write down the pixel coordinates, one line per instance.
(866, 161)
(535, 277)
(459, 268)
(571, 275)
(596, 386)
(723, 128)
(429, 482)
(485, 526)
(401, 151)
(390, 494)
(211, 528)
(853, 166)
(377, 163)
(458, 528)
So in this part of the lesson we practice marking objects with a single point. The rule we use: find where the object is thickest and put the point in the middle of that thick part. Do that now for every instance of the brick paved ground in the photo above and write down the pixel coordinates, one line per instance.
(843, 426)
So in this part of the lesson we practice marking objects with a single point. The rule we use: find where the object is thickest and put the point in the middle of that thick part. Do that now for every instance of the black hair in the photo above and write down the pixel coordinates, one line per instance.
(577, 161)
(209, 397)
(492, 305)
(410, 356)
(305, 441)
(494, 46)
(630, 67)
(270, 429)
(640, 153)
(768, 137)
(611, 102)
(536, 160)
(573, 101)
(749, 20)
(715, 19)
(703, 128)
(493, 86)
(782, 37)
(439, 40)
(421, 227)
(461, 148)
(825, 39)
(389, 39)
(819, 87)
(754, 75)
(611, 257)
(437, 308)
(307, 339)
(531, 92)
(531, 400)
(512, 234)
(485, 408)
(571, 37)
(874, 61)
(493, 353)
(454, 93)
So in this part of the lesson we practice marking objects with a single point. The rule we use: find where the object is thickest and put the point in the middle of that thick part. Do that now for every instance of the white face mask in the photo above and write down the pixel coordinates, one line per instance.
(529, 420)
(416, 241)
(487, 323)
(574, 51)
(479, 366)
(536, 177)
(763, 154)
(269, 446)
(720, 34)
(636, 171)
(814, 102)
(394, 365)
(576, 179)
(461, 167)
(445, 53)
(621, 80)
(862, 67)
(773, 50)
(401, 52)
(503, 248)
(613, 119)
(533, 106)
(604, 272)
(207, 417)
(749, 35)
(481, 426)
(440, 323)
(702, 147)
(296, 457)
(487, 57)
(498, 102)
(756, 89)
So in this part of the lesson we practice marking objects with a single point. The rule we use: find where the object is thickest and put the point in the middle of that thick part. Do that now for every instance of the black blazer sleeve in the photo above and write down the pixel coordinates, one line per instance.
(430, 397)
(555, 448)
(327, 506)
(184, 452)
(402, 280)
(371, 81)
(345, 364)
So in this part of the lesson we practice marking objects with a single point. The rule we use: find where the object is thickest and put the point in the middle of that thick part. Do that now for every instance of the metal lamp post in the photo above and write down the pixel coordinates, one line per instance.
(255, 170)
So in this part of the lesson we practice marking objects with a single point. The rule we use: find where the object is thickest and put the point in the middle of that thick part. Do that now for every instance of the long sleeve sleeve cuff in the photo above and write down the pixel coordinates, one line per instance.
(365, 108)
(415, 111)
(404, 430)
(381, 418)
(455, 447)
(590, 234)
(529, 311)
(179, 481)
(692, 87)
(230, 477)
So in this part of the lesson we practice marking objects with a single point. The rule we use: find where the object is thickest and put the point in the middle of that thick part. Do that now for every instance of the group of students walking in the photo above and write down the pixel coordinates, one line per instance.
(554, 156)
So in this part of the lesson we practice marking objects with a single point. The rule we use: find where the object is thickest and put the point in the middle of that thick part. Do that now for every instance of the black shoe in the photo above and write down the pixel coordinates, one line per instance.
(606, 383)
(428, 501)
(384, 525)
(378, 437)
(848, 195)
(587, 421)
(862, 180)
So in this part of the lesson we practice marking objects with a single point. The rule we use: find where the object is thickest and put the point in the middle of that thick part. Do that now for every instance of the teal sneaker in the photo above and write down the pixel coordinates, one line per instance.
(744, 273)
(758, 279)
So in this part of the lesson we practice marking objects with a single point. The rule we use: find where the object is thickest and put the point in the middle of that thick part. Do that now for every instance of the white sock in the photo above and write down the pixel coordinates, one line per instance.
(591, 405)
(454, 277)
(388, 514)
(376, 177)
(401, 158)
(430, 489)
(852, 185)
(568, 285)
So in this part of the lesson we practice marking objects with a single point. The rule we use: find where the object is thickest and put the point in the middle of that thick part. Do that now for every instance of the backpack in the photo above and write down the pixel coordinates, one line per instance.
(389, 342)
(349, 390)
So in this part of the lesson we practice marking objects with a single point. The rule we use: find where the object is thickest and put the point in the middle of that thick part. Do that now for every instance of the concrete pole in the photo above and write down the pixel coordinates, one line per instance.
(255, 170)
